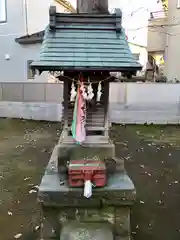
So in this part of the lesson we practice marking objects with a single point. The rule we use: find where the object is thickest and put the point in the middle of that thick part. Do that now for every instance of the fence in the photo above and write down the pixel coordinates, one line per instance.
(129, 102)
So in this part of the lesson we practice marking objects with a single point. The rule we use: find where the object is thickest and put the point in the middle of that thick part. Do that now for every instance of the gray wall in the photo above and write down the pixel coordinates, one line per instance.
(129, 102)
(145, 103)
(15, 69)
(31, 92)
(37, 101)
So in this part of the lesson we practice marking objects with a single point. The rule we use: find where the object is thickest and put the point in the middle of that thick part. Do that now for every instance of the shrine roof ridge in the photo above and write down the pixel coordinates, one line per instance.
(90, 21)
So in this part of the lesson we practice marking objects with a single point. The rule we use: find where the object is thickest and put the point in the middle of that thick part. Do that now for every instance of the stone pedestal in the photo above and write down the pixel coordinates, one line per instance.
(75, 230)
(98, 147)
(62, 205)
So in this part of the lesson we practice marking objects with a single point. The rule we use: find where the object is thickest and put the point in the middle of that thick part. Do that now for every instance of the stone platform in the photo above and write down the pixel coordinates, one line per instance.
(98, 147)
(81, 231)
(62, 204)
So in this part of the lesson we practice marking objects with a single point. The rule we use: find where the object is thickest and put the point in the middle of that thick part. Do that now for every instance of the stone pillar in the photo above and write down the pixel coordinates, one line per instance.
(92, 6)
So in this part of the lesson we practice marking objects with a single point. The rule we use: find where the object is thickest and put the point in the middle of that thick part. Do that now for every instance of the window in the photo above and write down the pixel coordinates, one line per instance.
(3, 13)
(136, 56)
(30, 72)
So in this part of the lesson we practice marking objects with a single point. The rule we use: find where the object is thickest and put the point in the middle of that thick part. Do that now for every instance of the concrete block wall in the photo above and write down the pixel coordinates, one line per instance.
(129, 102)
(31, 110)
(37, 101)
(145, 103)
(31, 92)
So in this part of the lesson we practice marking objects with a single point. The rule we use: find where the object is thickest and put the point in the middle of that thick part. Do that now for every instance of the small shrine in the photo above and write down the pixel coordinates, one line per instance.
(84, 182)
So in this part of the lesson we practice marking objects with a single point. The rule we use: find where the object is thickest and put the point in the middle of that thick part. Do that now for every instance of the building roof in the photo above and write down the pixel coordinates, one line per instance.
(31, 39)
(85, 42)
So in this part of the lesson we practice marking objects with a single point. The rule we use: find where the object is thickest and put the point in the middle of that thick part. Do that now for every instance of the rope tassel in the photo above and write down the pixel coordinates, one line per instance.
(73, 92)
(90, 91)
(99, 93)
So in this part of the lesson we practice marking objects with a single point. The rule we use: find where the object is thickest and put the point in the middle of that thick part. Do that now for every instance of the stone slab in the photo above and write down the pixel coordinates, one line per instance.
(67, 151)
(90, 140)
(55, 191)
(86, 231)
(116, 218)
(61, 204)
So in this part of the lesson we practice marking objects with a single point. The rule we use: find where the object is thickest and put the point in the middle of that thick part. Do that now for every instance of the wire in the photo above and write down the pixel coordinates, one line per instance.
(135, 29)
(165, 25)
(137, 10)
(170, 34)
(154, 26)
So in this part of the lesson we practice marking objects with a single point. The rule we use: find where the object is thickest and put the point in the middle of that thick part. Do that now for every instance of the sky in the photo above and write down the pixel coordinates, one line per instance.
(135, 17)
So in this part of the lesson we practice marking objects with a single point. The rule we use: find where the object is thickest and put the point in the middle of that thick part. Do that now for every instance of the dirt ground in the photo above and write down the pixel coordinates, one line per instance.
(151, 158)
(25, 147)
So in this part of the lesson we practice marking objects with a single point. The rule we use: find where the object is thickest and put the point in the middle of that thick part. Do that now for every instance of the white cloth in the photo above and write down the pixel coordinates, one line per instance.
(87, 189)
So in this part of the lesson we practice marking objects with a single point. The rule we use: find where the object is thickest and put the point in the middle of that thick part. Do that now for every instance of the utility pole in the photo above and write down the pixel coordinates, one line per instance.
(92, 6)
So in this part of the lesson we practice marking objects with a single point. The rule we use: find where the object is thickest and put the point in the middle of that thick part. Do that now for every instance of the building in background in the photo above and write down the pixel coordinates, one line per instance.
(164, 39)
(22, 24)
(21, 18)
(156, 42)
(140, 53)
(172, 41)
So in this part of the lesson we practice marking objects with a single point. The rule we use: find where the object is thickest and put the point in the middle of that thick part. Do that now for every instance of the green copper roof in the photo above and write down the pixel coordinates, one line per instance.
(85, 42)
